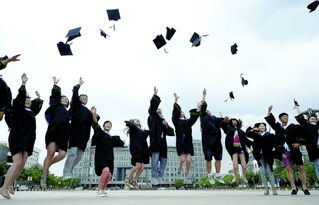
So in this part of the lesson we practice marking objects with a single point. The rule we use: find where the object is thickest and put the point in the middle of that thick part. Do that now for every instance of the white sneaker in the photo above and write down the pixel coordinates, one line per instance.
(219, 178)
(154, 181)
(211, 179)
(102, 193)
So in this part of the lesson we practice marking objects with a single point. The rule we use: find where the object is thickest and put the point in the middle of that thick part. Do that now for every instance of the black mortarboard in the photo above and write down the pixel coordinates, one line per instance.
(73, 33)
(159, 41)
(231, 95)
(170, 33)
(64, 49)
(113, 14)
(313, 6)
(195, 39)
(296, 103)
(103, 33)
(243, 80)
(233, 49)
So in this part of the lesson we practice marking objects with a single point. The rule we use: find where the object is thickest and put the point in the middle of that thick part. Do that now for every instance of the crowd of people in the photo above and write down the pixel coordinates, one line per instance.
(69, 129)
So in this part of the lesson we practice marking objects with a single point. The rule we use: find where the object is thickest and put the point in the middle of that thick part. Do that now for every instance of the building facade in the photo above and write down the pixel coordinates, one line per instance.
(122, 166)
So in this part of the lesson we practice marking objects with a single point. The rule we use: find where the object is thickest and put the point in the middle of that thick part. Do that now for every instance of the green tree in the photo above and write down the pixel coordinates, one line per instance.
(179, 183)
(204, 183)
(3, 168)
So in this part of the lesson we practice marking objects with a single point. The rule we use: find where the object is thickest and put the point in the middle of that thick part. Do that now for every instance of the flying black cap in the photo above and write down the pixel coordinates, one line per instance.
(296, 103)
(195, 39)
(73, 33)
(64, 49)
(170, 33)
(159, 41)
(233, 49)
(103, 33)
(313, 6)
(113, 14)
(231, 95)
(243, 80)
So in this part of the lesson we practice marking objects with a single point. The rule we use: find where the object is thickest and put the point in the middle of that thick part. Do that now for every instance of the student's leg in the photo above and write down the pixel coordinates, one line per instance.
(133, 170)
(302, 176)
(14, 170)
(209, 166)
(48, 159)
(270, 177)
(104, 178)
(79, 154)
(188, 163)
(154, 164)
(61, 155)
(139, 171)
(163, 162)
(71, 156)
(243, 166)
(235, 166)
(181, 162)
(263, 172)
(316, 163)
(290, 176)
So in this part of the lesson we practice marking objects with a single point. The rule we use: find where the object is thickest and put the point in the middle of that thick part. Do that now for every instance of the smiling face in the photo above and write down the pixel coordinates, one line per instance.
(107, 126)
(27, 103)
(262, 127)
(312, 120)
(84, 99)
(64, 101)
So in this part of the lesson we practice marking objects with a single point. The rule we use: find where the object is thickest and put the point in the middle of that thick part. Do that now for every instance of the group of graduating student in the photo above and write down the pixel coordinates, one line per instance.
(68, 133)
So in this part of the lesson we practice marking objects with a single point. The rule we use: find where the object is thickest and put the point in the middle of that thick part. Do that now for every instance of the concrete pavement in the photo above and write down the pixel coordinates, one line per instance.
(162, 197)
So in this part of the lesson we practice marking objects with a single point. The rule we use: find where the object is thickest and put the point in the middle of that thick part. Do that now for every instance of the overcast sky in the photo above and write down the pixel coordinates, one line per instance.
(277, 52)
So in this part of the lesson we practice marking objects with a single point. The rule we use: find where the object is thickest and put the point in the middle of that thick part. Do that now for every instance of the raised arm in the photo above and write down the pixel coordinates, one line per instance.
(36, 104)
(55, 93)
(117, 142)
(19, 101)
(169, 131)
(96, 127)
(300, 117)
(270, 119)
(75, 95)
(155, 101)
(194, 114)
(5, 60)
(176, 111)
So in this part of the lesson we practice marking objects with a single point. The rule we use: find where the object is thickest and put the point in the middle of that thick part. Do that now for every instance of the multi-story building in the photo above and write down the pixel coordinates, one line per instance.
(122, 166)
(33, 160)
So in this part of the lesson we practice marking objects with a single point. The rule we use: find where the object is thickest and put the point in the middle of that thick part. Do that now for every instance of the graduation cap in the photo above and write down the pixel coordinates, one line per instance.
(73, 33)
(313, 6)
(233, 49)
(231, 95)
(159, 41)
(113, 14)
(195, 39)
(296, 103)
(170, 33)
(64, 49)
(103, 33)
(243, 80)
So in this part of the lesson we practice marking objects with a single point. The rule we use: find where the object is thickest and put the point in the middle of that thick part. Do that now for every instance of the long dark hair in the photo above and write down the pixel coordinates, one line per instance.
(239, 122)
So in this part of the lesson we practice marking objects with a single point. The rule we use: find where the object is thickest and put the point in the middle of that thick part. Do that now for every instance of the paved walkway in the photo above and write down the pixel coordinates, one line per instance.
(162, 197)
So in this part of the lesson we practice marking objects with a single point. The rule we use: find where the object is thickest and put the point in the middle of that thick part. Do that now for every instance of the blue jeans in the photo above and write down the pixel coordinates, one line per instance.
(316, 163)
(158, 171)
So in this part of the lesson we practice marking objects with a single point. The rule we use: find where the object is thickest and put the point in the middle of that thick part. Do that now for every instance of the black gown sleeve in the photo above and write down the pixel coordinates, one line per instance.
(55, 97)
(75, 97)
(203, 109)
(301, 120)
(271, 121)
(176, 114)
(117, 142)
(155, 101)
(194, 114)
(169, 131)
(36, 105)
(19, 101)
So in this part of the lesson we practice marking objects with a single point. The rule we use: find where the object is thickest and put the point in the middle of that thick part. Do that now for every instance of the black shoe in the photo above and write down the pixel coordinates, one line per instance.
(306, 191)
(294, 192)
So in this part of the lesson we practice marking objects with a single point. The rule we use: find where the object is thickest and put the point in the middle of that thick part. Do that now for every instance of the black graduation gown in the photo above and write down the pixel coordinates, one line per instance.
(22, 123)
(5, 93)
(292, 134)
(138, 144)
(311, 135)
(183, 130)
(263, 146)
(59, 121)
(158, 131)
(104, 155)
(229, 140)
(81, 121)
(210, 126)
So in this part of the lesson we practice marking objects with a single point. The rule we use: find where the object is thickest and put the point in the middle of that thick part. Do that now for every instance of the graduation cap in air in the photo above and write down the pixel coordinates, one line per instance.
(113, 14)
(64, 49)
(103, 33)
(170, 33)
(73, 33)
(159, 41)
(231, 96)
(243, 80)
(195, 39)
(313, 6)
(233, 49)
(296, 103)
